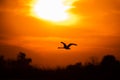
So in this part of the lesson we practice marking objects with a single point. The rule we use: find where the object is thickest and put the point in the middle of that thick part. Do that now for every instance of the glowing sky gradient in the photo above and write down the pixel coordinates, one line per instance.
(97, 33)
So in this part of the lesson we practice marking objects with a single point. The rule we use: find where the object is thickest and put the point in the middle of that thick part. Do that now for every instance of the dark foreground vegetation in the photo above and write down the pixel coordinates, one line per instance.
(107, 69)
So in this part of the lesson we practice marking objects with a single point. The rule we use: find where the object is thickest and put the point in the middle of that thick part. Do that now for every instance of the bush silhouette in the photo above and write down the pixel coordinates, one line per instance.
(107, 69)
(108, 60)
(22, 60)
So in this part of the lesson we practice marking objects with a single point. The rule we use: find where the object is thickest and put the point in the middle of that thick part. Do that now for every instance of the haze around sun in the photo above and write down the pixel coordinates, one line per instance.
(57, 11)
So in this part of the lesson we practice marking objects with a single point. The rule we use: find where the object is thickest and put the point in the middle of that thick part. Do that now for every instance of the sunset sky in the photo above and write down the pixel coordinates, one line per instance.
(92, 24)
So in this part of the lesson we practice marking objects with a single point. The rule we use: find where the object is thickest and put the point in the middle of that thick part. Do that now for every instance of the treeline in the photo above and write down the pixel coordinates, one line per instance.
(107, 69)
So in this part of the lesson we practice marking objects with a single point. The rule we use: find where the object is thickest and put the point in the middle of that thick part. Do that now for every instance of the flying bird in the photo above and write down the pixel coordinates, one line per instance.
(65, 46)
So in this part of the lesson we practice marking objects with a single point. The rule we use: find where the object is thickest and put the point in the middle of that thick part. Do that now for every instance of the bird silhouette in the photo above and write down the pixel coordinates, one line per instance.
(65, 46)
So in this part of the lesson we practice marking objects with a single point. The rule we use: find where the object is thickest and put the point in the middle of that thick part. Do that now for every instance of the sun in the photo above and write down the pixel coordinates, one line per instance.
(57, 11)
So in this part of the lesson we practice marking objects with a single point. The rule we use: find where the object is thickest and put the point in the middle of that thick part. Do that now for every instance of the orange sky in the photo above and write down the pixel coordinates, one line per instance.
(97, 32)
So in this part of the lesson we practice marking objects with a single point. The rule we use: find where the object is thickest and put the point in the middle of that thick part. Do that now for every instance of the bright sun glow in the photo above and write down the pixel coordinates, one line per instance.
(53, 10)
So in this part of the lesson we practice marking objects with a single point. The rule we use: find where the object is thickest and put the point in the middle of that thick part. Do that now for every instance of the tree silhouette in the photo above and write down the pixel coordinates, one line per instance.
(22, 58)
(107, 69)
(23, 62)
(108, 60)
(2, 62)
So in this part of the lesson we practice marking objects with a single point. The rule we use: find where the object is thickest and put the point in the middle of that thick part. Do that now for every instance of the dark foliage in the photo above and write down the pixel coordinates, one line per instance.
(107, 69)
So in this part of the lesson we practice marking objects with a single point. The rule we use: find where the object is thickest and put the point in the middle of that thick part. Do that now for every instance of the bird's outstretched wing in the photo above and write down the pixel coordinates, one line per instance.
(64, 44)
(72, 44)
